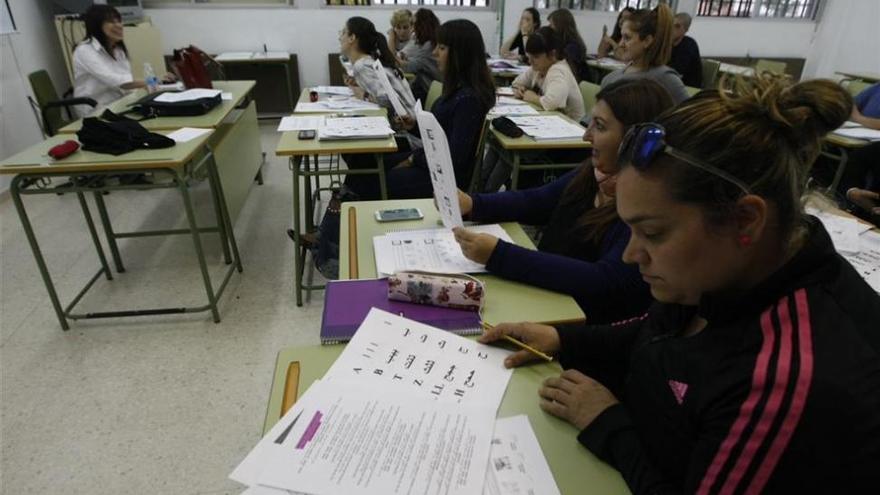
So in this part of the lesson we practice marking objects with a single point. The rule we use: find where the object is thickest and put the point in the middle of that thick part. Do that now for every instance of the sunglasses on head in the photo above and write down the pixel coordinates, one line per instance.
(644, 142)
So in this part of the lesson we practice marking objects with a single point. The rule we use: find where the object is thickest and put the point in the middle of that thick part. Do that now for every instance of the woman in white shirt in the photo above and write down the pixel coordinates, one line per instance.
(101, 69)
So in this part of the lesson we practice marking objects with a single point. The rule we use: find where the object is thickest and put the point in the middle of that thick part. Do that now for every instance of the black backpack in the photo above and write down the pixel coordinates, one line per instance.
(118, 135)
(149, 107)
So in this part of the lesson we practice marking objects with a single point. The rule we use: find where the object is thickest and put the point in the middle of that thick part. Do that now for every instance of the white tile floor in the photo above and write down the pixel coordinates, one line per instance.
(164, 404)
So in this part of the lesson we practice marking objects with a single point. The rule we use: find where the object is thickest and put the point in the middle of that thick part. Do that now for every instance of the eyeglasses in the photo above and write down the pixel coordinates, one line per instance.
(644, 142)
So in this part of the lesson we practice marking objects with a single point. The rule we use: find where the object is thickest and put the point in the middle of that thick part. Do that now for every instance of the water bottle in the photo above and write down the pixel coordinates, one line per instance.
(150, 78)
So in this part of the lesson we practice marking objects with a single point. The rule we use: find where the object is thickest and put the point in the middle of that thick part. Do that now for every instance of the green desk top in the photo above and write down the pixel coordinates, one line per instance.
(291, 145)
(526, 143)
(505, 300)
(35, 160)
(212, 119)
(845, 142)
(574, 468)
(864, 76)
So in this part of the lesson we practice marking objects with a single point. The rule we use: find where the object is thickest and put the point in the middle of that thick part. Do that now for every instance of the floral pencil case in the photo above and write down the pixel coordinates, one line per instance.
(450, 291)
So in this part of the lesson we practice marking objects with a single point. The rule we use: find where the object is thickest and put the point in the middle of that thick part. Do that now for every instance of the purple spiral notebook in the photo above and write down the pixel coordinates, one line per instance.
(347, 302)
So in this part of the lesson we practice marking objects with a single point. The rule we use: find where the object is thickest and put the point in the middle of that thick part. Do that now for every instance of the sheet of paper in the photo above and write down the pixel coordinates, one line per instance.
(226, 96)
(190, 94)
(440, 167)
(433, 250)
(399, 109)
(334, 90)
(867, 260)
(548, 127)
(325, 106)
(844, 231)
(859, 133)
(354, 441)
(175, 86)
(504, 91)
(516, 463)
(428, 363)
(508, 100)
(299, 123)
(228, 56)
(185, 134)
(513, 110)
(271, 56)
(355, 128)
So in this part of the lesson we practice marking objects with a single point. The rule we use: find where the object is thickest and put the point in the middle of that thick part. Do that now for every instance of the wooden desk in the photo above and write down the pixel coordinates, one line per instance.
(510, 149)
(869, 77)
(274, 95)
(172, 168)
(574, 468)
(506, 300)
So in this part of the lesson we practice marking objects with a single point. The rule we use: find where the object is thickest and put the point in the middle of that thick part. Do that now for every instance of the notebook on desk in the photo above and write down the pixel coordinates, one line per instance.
(347, 302)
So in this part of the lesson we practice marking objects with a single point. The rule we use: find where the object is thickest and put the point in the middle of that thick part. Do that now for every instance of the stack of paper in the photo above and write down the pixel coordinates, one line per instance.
(300, 123)
(867, 260)
(500, 109)
(325, 106)
(355, 128)
(334, 90)
(406, 408)
(549, 128)
(432, 250)
(500, 65)
(188, 95)
(858, 132)
(855, 241)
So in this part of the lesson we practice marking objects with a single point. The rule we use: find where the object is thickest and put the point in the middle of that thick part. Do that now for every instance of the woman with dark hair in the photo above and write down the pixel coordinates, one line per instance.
(515, 46)
(580, 252)
(468, 94)
(572, 44)
(417, 57)
(758, 369)
(609, 45)
(362, 45)
(101, 69)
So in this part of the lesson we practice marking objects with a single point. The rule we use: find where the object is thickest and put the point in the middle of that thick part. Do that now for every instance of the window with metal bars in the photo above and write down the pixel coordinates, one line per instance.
(788, 9)
(413, 3)
(601, 5)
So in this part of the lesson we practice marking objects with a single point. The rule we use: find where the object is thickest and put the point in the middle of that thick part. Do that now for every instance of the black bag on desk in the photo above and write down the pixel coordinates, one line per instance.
(507, 127)
(149, 107)
(118, 135)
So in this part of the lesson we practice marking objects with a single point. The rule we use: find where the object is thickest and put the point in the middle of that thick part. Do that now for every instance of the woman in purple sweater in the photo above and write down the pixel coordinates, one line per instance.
(583, 238)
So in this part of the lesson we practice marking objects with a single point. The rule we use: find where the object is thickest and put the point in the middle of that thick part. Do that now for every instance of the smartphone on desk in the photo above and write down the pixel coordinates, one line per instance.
(307, 134)
(398, 215)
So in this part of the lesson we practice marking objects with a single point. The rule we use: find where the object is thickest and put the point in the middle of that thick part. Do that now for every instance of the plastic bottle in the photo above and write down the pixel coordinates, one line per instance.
(150, 78)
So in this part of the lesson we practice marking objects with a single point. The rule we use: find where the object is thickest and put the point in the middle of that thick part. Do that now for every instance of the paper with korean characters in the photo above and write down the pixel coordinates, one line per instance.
(440, 168)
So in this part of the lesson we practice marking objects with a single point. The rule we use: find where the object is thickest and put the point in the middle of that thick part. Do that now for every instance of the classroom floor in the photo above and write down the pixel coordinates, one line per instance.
(159, 404)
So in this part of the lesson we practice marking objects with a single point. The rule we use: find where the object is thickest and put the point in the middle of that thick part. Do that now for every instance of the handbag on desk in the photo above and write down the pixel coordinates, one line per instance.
(116, 135)
(190, 65)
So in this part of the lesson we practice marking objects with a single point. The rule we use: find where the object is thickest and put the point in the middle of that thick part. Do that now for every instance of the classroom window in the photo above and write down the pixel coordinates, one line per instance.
(166, 3)
(788, 9)
(413, 3)
(601, 5)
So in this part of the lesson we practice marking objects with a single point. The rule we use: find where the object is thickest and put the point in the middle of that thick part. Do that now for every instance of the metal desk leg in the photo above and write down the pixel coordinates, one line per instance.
(307, 194)
(514, 174)
(91, 224)
(223, 214)
(197, 242)
(108, 231)
(380, 163)
(35, 248)
(298, 260)
(838, 174)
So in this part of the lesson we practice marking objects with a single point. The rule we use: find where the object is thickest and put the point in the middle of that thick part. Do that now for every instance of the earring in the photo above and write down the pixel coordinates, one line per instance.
(745, 240)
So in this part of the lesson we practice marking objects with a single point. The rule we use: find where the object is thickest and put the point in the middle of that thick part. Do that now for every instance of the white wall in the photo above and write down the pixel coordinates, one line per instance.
(34, 47)
(846, 39)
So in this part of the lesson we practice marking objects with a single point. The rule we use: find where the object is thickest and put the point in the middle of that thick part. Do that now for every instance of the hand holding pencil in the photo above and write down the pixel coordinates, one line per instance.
(536, 342)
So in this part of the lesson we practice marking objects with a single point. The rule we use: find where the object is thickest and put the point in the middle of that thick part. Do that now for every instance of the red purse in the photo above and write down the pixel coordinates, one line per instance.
(190, 64)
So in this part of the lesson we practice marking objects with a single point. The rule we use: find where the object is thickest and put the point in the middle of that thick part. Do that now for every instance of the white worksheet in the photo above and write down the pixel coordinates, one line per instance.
(334, 90)
(188, 95)
(423, 361)
(499, 110)
(350, 439)
(324, 106)
(504, 91)
(548, 127)
(844, 231)
(440, 167)
(432, 250)
(185, 134)
(300, 123)
(859, 133)
(516, 463)
(355, 128)
(399, 109)
(867, 260)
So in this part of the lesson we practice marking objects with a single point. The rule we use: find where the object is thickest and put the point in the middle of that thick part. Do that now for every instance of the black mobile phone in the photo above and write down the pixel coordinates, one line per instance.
(307, 134)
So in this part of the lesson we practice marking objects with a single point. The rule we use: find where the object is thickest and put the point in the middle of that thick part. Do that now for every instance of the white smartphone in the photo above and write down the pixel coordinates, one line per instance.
(398, 215)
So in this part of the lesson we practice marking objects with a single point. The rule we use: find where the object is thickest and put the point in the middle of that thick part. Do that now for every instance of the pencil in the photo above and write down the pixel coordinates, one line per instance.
(521, 344)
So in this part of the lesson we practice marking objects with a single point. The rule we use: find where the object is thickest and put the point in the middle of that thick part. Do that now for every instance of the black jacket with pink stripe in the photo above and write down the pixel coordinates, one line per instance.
(780, 393)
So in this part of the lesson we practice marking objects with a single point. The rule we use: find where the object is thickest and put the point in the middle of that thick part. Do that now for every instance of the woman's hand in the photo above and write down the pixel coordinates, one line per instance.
(542, 337)
(530, 96)
(575, 397)
(406, 122)
(867, 200)
(475, 247)
(518, 92)
(169, 78)
(465, 203)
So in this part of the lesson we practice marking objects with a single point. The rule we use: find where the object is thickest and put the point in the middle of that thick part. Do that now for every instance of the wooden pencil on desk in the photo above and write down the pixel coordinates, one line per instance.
(521, 344)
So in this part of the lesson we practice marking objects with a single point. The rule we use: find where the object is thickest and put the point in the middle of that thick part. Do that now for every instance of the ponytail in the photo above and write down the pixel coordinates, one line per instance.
(657, 23)
(372, 42)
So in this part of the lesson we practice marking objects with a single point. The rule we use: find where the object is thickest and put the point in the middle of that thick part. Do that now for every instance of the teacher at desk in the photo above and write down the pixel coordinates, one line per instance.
(101, 69)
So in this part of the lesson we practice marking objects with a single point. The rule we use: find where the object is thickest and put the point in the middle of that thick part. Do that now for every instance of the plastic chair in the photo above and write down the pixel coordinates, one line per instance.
(49, 105)
(588, 92)
(710, 73)
(855, 86)
(691, 91)
(434, 93)
(772, 66)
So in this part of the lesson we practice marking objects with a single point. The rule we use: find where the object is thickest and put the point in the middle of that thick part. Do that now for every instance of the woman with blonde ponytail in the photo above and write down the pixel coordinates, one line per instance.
(646, 44)
(758, 368)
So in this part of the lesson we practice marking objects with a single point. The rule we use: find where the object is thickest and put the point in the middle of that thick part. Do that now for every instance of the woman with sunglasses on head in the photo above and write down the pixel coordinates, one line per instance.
(758, 370)
(363, 45)
(468, 94)
(515, 46)
(579, 253)
(646, 44)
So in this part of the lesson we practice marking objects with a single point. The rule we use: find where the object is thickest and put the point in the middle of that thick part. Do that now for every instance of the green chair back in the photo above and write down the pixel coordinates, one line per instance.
(855, 86)
(764, 65)
(710, 73)
(691, 91)
(588, 92)
(44, 93)
(434, 93)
